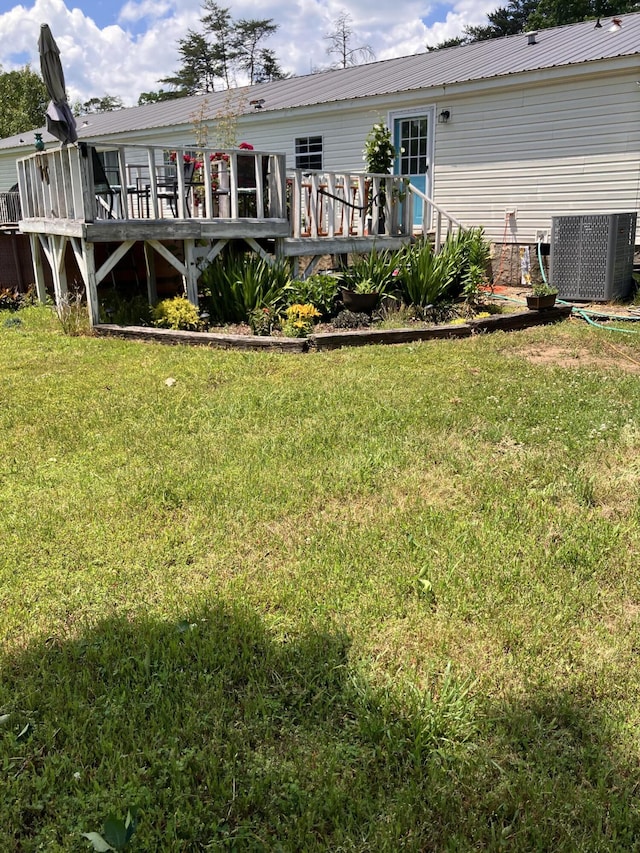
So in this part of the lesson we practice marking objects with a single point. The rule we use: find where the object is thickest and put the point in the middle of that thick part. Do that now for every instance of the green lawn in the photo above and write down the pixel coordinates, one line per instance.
(377, 599)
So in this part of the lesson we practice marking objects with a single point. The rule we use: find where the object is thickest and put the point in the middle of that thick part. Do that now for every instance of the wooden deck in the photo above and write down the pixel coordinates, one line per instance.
(186, 206)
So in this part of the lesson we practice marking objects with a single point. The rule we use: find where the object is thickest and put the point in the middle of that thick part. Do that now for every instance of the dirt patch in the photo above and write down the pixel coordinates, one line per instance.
(559, 356)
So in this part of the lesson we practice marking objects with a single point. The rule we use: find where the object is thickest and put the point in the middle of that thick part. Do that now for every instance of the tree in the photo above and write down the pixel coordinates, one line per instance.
(505, 21)
(521, 15)
(212, 58)
(218, 26)
(23, 101)
(258, 64)
(160, 95)
(340, 44)
(105, 104)
(551, 13)
(199, 70)
(268, 68)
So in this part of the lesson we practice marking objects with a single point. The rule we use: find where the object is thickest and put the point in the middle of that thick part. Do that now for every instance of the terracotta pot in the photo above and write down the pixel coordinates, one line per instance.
(360, 303)
(539, 303)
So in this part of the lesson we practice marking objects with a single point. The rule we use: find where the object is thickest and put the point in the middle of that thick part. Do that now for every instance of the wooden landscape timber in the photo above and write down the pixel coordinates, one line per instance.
(203, 339)
(324, 341)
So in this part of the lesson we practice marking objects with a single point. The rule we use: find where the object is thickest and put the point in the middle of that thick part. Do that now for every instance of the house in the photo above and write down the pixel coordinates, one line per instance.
(502, 134)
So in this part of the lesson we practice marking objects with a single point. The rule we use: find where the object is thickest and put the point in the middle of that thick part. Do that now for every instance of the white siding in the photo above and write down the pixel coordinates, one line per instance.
(541, 152)
(8, 169)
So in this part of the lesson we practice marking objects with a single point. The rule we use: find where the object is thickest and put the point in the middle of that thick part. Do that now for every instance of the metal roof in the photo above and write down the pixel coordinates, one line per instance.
(573, 44)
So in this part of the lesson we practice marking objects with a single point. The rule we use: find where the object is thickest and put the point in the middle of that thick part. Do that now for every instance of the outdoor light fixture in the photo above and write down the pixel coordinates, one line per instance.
(616, 25)
(444, 117)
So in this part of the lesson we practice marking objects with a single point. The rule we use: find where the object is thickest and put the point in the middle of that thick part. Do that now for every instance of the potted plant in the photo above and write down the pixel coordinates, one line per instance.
(379, 154)
(362, 297)
(542, 296)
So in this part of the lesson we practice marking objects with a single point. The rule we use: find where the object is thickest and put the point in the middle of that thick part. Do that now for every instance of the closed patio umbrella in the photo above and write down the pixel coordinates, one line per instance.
(60, 120)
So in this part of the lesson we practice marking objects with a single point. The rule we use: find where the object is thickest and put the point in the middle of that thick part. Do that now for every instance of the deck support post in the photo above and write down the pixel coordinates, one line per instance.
(53, 246)
(85, 258)
(150, 265)
(38, 268)
(91, 284)
(191, 274)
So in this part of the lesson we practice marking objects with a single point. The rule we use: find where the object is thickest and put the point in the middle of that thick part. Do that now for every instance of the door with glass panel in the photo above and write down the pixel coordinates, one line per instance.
(411, 137)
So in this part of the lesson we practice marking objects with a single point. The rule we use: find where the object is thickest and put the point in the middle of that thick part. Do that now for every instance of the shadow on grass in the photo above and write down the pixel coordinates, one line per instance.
(227, 737)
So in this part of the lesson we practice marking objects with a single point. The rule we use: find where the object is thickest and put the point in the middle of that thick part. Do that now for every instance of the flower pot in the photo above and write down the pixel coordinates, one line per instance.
(360, 303)
(539, 303)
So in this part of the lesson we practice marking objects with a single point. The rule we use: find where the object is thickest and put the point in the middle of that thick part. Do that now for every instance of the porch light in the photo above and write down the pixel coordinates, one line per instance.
(444, 117)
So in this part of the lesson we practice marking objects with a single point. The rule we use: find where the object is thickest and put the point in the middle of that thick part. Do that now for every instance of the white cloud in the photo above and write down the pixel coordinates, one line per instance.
(147, 9)
(120, 61)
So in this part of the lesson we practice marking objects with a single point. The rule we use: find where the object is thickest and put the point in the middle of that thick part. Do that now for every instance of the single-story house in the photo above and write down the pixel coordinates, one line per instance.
(502, 134)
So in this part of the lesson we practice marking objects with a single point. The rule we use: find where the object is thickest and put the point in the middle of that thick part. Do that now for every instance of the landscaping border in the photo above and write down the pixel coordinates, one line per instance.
(334, 340)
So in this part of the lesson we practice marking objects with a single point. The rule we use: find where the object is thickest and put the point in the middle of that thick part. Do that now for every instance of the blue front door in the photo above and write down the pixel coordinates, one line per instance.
(411, 141)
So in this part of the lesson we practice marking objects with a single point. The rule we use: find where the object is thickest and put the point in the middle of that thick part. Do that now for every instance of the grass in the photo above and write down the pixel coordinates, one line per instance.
(375, 599)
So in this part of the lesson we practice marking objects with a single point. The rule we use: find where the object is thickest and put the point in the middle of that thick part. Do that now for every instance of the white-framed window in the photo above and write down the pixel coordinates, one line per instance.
(309, 152)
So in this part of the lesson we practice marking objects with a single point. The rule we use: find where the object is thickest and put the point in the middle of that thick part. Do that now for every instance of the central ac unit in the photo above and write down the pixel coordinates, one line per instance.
(592, 256)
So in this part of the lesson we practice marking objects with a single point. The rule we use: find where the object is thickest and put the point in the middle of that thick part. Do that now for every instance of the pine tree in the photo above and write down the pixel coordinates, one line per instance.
(213, 58)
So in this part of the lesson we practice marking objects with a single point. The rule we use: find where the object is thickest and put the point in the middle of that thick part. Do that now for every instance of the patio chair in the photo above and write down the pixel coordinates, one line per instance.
(168, 190)
(105, 195)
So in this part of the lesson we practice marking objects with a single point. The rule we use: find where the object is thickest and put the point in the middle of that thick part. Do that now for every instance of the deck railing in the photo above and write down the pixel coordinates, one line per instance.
(436, 222)
(343, 204)
(10, 213)
(71, 183)
(155, 183)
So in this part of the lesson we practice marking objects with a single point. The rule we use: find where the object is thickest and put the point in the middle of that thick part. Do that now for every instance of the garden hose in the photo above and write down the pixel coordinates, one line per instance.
(583, 313)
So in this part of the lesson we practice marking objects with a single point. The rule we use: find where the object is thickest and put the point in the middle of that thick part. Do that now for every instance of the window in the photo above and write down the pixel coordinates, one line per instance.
(413, 146)
(309, 152)
(109, 160)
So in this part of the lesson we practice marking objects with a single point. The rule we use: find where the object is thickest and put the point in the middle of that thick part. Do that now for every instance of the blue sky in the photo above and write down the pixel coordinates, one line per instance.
(124, 48)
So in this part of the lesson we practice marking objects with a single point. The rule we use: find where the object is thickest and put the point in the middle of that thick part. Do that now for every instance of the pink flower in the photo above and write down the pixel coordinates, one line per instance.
(395, 272)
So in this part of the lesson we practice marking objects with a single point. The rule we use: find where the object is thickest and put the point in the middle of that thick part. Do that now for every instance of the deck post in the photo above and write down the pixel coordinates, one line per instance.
(91, 283)
(38, 268)
(191, 275)
(58, 248)
(150, 265)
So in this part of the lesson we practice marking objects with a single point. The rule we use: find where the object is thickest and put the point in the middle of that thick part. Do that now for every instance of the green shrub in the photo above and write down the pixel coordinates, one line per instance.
(378, 269)
(459, 269)
(351, 320)
(73, 314)
(177, 313)
(235, 284)
(11, 300)
(426, 277)
(263, 321)
(319, 290)
(472, 252)
(125, 312)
